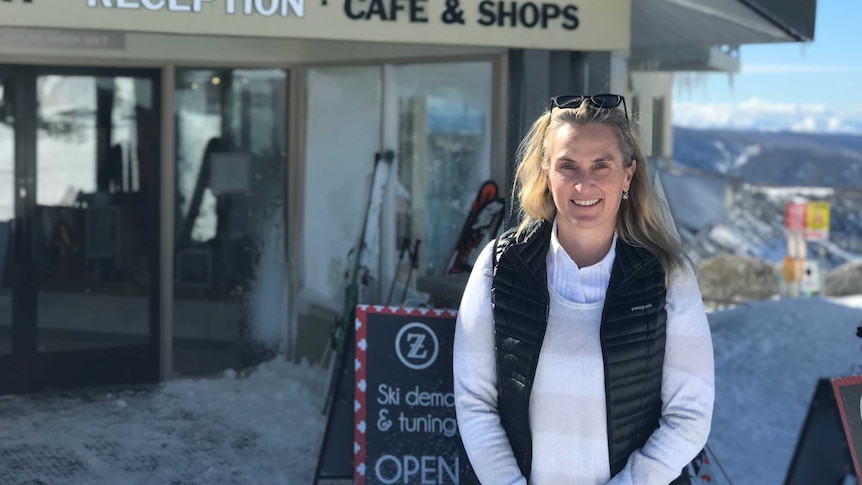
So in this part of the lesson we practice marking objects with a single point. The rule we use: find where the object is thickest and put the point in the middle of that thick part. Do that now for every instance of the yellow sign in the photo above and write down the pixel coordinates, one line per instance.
(817, 221)
(564, 25)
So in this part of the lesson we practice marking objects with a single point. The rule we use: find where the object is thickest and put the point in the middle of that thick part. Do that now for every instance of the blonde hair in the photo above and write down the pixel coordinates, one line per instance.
(641, 220)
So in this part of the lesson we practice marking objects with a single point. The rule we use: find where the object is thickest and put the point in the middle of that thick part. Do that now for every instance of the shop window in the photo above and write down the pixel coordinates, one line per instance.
(230, 306)
(437, 118)
(444, 137)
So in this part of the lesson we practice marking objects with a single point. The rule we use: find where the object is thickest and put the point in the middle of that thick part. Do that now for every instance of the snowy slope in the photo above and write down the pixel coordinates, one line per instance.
(769, 356)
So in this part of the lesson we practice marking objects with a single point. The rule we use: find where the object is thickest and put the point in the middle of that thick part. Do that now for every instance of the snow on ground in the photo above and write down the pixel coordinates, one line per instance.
(266, 427)
(769, 356)
(260, 429)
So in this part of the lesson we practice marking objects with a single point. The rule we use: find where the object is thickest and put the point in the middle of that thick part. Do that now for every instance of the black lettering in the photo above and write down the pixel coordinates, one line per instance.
(349, 11)
(394, 7)
(486, 13)
(571, 15)
(376, 8)
(529, 6)
(550, 11)
(417, 11)
(512, 14)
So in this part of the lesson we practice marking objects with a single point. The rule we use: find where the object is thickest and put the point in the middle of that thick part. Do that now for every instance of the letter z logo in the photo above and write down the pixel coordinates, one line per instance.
(417, 349)
(416, 346)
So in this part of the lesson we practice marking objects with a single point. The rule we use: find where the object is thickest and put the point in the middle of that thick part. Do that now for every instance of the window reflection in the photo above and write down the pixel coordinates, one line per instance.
(445, 151)
(7, 210)
(96, 147)
(230, 271)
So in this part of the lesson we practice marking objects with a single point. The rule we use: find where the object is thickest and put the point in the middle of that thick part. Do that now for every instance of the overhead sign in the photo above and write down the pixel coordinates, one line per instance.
(11, 37)
(405, 427)
(565, 25)
(848, 393)
(810, 218)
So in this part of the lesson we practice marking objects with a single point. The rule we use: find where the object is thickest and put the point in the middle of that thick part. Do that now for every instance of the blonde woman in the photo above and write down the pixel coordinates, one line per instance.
(582, 350)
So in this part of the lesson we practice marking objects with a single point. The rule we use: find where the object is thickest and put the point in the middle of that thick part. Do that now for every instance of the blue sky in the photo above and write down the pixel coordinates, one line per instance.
(823, 77)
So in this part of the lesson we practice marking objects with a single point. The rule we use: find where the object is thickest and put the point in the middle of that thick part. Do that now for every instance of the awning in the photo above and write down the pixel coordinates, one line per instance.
(686, 34)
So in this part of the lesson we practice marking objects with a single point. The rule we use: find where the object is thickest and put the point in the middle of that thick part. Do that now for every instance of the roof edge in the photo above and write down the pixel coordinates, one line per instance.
(776, 21)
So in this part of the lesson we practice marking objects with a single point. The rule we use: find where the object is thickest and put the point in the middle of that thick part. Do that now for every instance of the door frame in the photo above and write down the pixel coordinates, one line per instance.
(26, 369)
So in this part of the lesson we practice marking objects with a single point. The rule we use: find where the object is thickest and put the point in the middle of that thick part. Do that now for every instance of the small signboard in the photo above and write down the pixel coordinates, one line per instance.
(808, 218)
(817, 221)
(404, 410)
(848, 394)
(811, 277)
(794, 216)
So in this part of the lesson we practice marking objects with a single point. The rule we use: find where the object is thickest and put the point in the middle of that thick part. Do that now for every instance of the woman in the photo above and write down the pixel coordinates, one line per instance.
(582, 349)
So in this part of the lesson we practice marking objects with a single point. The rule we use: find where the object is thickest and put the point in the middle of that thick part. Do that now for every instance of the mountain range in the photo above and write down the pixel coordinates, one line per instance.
(773, 158)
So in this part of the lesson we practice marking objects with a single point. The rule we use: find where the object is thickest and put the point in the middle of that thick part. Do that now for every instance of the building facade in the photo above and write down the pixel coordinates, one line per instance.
(183, 182)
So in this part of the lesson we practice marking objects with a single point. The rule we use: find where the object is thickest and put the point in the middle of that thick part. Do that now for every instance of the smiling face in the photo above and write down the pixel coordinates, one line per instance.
(586, 178)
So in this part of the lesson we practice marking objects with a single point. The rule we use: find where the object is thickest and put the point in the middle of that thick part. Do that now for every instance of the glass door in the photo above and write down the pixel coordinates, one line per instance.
(85, 232)
(10, 369)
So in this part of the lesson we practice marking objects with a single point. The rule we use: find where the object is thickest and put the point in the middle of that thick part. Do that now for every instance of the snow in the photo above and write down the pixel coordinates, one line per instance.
(266, 426)
(769, 356)
(745, 156)
(262, 428)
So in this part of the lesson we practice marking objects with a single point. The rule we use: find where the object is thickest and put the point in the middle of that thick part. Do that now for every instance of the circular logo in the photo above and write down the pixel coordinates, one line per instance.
(416, 345)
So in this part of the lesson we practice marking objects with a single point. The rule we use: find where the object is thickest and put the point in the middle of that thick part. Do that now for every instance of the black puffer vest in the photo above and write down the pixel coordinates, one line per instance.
(632, 340)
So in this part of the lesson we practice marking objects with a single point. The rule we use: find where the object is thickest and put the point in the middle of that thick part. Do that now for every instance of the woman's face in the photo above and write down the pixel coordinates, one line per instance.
(587, 177)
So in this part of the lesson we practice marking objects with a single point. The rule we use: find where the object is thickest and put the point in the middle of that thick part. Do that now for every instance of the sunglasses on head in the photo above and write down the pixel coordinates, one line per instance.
(607, 101)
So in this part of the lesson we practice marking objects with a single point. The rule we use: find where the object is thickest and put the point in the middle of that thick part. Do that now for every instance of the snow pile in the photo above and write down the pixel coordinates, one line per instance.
(769, 356)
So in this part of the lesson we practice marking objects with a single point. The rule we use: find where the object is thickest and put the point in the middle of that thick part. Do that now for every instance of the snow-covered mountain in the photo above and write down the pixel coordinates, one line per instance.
(784, 158)
(728, 191)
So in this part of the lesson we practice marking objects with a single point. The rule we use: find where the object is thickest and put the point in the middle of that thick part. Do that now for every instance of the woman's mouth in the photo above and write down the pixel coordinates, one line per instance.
(587, 203)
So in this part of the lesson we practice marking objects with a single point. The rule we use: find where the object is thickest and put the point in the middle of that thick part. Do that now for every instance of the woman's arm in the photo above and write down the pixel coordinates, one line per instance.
(687, 391)
(475, 372)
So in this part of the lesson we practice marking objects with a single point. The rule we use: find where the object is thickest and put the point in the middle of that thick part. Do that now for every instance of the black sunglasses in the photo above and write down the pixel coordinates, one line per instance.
(607, 101)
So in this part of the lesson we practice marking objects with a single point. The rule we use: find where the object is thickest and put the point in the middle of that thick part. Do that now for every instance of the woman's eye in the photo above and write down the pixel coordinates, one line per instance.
(601, 166)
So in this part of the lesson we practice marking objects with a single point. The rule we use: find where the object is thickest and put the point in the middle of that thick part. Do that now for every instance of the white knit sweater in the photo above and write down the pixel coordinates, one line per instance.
(567, 404)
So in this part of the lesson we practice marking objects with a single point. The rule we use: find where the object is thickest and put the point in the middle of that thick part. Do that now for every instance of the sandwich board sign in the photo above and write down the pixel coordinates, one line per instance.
(848, 394)
(404, 409)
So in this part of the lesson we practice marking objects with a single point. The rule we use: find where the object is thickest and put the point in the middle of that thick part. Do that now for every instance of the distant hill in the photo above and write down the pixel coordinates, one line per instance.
(728, 190)
(773, 158)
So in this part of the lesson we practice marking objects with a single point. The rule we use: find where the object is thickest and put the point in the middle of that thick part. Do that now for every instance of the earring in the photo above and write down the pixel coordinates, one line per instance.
(625, 195)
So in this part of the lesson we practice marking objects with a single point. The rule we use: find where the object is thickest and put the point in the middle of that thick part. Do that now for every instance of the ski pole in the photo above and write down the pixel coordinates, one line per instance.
(405, 247)
(414, 263)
